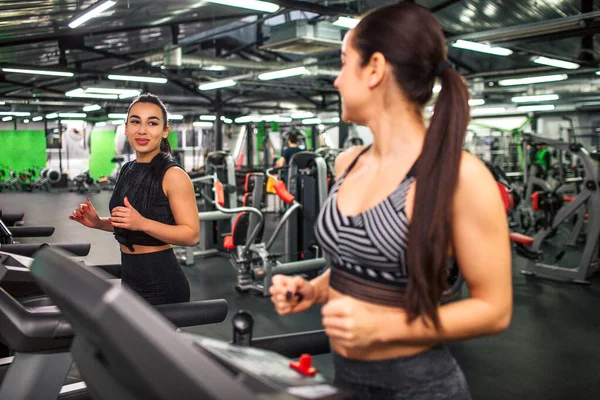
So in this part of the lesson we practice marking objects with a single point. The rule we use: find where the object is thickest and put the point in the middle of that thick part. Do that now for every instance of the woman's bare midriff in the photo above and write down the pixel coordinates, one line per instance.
(377, 351)
(139, 249)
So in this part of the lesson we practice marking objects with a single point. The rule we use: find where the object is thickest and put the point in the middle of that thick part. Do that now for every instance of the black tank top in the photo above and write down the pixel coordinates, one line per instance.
(159, 211)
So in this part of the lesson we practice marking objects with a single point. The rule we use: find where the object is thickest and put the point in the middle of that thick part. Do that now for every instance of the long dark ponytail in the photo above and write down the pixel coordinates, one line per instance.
(413, 43)
(143, 191)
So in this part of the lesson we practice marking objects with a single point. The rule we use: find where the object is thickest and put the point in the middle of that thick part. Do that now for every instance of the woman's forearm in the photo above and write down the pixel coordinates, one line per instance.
(321, 285)
(181, 235)
(104, 225)
(460, 320)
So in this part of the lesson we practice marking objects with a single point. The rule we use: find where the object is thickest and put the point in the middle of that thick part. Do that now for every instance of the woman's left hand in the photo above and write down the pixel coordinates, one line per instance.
(127, 217)
(350, 322)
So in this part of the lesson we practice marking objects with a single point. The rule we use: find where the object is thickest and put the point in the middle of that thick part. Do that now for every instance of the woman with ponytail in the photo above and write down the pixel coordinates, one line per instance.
(401, 212)
(153, 207)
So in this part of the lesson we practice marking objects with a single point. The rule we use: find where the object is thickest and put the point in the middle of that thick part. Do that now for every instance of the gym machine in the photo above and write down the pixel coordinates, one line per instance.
(114, 362)
(586, 202)
(213, 223)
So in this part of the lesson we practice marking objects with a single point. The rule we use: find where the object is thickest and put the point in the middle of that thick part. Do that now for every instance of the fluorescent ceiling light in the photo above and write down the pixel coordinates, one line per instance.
(532, 80)
(52, 116)
(284, 73)
(7, 119)
(38, 72)
(37, 118)
(249, 4)
(122, 93)
(100, 123)
(72, 115)
(311, 121)
(148, 79)
(25, 121)
(117, 122)
(346, 22)
(226, 120)
(117, 115)
(202, 124)
(208, 118)
(93, 107)
(82, 94)
(175, 117)
(556, 63)
(93, 12)
(541, 97)
(476, 102)
(2, 103)
(488, 111)
(335, 120)
(217, 85)
(482, 48)
(215, 68)
(248, 118)
(16, 113)
(72, 121)
(542, 107)
(302, 115)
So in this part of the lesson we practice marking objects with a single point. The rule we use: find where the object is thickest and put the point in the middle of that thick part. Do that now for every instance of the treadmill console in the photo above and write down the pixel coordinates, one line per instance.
(267, 373)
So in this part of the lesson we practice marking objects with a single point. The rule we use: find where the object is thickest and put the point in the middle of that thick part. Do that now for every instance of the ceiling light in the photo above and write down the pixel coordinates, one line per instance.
(7, 119)
(284, 73)
(556, 63)
(476, 102)
(532, 80)
(39, 118)
(72, 121)
(117, 122)
(51, 116)
(38, 72)
(543, 107)
(346, 22)
(217, 84)
(311, 121)
(93, 107)
(208, 118)
(148, 79)
(202, 124)
(249, 4)
(91, 13)
(482, 48)
(226, 120)
(72, 115)
(117, 115)
(175, 117)
(2, 103)
(335, 120)
(120, 92)
(302, 115)
(248, 118)
(82, 94)
(25, 121)
(16, 113)
(215, 68)
(527, 99)
(100, 123)
(488, 111)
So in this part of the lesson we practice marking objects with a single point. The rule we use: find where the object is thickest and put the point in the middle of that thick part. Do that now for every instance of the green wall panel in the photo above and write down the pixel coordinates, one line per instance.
(20, 150)
(172, 139)
(103, 150)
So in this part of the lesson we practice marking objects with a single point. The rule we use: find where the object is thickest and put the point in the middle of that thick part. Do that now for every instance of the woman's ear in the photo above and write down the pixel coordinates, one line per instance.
(166, 131)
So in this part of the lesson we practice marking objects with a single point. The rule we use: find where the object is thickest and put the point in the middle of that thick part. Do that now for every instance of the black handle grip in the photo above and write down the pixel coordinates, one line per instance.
(195, 312)
(11, 218)
(32, 231)
(28, 249)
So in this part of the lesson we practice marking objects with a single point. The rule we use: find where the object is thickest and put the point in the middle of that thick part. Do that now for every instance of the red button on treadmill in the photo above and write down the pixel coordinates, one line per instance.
(303, 366)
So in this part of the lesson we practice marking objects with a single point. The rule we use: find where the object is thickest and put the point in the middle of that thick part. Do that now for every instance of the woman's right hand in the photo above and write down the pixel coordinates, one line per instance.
(86, 215)
(291, 294)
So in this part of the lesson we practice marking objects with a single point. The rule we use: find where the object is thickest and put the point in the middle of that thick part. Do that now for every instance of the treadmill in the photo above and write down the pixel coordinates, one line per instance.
(125, 350)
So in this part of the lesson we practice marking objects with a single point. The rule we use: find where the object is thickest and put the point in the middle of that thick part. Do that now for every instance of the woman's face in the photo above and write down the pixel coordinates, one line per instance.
(352, 83)
(146, 128)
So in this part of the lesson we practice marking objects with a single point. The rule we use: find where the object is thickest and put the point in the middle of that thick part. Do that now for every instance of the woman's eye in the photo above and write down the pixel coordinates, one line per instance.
(135, 122)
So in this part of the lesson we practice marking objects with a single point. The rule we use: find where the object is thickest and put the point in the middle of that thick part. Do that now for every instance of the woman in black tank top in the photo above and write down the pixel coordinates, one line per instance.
(402, 210)
(153, 207)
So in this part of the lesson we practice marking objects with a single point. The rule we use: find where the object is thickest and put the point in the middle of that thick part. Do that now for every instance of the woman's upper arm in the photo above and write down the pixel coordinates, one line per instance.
(182, 198)
(480, 234)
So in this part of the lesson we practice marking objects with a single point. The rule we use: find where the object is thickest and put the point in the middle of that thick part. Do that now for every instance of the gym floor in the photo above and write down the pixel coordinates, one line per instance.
(550, 351)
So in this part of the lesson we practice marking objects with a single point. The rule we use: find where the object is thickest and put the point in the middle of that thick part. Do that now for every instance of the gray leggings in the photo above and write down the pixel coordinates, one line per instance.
(431, 375)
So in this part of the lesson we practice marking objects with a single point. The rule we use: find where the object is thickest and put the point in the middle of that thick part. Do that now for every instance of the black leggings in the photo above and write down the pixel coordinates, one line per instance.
(157, 277)
(431, 375)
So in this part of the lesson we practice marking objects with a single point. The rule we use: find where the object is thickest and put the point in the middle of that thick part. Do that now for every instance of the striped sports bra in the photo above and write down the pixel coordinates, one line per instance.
(367, 251)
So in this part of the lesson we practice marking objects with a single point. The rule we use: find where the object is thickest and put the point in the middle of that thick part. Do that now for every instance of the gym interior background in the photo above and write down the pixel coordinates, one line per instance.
(237, 79)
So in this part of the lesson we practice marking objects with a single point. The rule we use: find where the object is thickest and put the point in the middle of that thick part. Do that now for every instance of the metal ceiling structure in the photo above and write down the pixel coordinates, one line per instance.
(192, 42)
